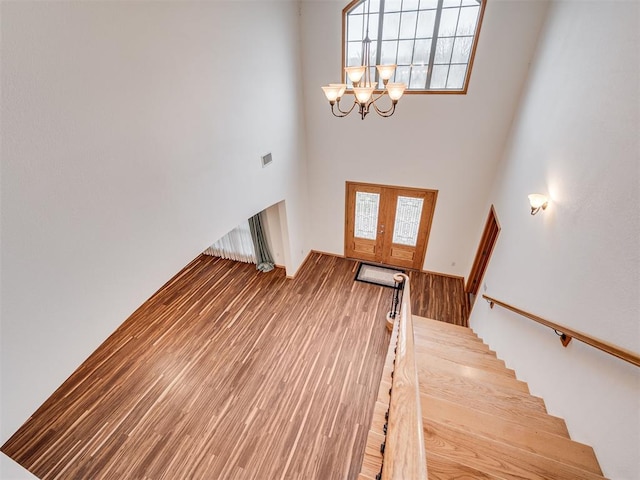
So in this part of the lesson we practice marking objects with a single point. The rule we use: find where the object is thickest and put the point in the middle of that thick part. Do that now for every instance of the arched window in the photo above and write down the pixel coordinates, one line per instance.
(432, 42)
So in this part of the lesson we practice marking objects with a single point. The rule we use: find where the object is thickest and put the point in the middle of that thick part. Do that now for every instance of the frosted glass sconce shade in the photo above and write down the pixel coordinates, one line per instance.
(537, 202)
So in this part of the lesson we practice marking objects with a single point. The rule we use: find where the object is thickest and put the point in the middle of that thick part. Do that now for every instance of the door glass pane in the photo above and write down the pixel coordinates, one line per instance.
(407, 224)
(366, 224)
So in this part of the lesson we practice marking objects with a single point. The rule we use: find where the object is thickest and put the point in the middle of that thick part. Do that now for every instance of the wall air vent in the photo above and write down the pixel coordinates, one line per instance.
(266, 160)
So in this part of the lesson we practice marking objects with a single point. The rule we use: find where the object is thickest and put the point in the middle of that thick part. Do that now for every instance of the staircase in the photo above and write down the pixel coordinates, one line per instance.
(480, 422)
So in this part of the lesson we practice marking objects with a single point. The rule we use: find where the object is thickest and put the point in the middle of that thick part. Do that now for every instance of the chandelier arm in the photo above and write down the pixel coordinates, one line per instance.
(374, 100)
(386, 113)
(343, 112)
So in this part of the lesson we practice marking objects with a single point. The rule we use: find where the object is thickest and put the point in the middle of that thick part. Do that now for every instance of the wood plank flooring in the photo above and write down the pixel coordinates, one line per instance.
(439, 297)
(225, 373)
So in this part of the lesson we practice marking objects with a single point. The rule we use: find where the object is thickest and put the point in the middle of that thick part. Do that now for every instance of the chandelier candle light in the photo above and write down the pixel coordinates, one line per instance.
(363, 88)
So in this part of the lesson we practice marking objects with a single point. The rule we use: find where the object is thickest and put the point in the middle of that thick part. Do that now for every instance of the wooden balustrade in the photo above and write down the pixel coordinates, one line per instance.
(567, 333)
(404, 453)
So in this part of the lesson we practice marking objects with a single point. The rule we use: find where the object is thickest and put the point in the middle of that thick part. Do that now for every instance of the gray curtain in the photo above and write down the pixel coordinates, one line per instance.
(264, 261)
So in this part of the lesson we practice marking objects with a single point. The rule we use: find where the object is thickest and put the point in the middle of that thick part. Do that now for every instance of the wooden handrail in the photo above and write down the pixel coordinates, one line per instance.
(404, 454)
(568, 333)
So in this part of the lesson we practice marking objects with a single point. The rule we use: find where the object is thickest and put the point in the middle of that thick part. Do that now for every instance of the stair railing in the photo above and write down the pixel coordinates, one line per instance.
(396, 298)
(566, 334)
(403, 451)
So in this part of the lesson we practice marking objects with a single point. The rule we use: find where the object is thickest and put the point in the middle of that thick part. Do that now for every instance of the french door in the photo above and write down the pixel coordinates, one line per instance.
(388, 225)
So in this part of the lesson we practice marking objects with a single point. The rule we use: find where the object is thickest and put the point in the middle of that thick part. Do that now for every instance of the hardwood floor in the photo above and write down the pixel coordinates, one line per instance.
(439, 297)
(225, 373)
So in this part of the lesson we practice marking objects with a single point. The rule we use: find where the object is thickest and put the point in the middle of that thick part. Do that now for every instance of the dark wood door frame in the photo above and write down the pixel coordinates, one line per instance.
(483, 255)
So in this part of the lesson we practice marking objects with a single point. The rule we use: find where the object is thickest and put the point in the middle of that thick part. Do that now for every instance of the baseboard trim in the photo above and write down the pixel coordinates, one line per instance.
(457, 277)
(327, 253)
(306, 258)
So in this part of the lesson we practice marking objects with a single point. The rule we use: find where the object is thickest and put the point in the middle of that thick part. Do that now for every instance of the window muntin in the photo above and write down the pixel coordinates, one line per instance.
(432, 42)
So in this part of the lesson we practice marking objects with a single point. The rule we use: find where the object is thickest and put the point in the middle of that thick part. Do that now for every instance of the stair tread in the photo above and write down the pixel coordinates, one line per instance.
(470, 346)
(496, 458)
(372, 460)
(513, 433)
(465, 358)
(444, 468)
(472, 339)
(362, 476)
(433, 381)
(480, 421)
(542, 421)
(378, 418)
(454, 368)
(439, 343)
(426, 323)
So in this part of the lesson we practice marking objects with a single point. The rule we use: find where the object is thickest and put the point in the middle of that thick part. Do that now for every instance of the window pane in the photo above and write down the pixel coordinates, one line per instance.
(428, 4)
(366, 224)
(388, 54)
(422, 52)
(448, 22)
(373, 52)
(418, 77)
(358, 9)
(461, 49)
(391, 26)
(373, 26)
(392, 5)
(444, 48)
(408, 25)
(456, 76)
(410, 5)
(354, 54)
(405, 52)
(409, 37)
(468, 20)
(354, 30)
(402, 74)
(426, 23)
(439, 76)
(408, 213)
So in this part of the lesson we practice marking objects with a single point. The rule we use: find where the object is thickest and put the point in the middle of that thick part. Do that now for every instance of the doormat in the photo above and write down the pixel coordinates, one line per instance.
(377, 274)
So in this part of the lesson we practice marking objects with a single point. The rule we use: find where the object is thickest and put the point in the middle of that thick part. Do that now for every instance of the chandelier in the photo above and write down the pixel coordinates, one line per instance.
(364, 90)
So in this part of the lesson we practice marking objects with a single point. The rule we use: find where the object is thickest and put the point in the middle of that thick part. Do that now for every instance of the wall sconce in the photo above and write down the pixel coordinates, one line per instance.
(538, 202)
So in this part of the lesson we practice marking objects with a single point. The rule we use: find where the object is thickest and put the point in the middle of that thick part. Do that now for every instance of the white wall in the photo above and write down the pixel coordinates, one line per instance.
(577, 263)
(132, 135)
(451, 143)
